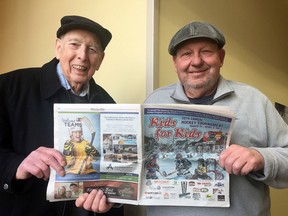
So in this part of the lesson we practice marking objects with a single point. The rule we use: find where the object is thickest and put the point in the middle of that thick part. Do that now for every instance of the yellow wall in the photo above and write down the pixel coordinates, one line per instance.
(256, 33)
(256, 52)
(28, 32)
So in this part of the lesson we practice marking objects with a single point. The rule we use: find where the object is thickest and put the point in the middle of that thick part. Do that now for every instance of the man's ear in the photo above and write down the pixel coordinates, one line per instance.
(222, 56)
(174, 63)
(58, 45)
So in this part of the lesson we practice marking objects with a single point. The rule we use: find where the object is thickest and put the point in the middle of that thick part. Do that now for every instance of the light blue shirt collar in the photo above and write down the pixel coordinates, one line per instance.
(66, 84)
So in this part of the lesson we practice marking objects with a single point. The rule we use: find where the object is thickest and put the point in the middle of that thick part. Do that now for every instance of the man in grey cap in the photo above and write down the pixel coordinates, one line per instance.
(258, 154)
(26, 115)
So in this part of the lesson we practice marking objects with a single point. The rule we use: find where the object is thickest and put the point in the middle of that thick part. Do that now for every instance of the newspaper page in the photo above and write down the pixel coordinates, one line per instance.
(102, 146)
(182, 144)
(143, 154)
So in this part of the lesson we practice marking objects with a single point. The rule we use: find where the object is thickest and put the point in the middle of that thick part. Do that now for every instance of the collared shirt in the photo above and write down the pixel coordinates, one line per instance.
(64, 82)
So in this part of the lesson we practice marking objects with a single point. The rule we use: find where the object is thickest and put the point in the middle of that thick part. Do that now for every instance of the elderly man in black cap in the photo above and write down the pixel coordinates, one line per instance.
(258, 154)
(26, 119)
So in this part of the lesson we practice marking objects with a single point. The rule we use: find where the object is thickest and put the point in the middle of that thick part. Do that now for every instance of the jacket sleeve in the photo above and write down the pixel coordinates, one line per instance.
(276, 153)
(9, 160)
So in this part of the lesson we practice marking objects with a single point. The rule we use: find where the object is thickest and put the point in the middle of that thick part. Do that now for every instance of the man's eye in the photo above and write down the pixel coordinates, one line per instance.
(73, 44)
(206, 51)
(94, 50)
(186, 55)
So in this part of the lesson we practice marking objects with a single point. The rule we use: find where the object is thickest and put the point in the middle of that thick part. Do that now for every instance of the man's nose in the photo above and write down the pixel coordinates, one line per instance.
(82, 53)
(196, 59)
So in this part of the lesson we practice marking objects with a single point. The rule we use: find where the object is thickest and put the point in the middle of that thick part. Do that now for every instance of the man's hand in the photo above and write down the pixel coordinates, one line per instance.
(37, 164)
(95, 201)
(239, 160)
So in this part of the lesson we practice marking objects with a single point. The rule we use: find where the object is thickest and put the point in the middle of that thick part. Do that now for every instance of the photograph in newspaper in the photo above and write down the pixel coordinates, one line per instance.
(102, 148)
(181, 152)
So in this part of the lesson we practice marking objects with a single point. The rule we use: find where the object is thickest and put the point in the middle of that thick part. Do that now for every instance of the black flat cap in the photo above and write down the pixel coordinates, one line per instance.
(77, 22)
(196, 30)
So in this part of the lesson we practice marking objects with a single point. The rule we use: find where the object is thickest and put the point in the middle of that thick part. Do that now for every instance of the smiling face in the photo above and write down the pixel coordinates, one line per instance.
(80, 54)
(74, 188)
(76, 135)
(197, 64)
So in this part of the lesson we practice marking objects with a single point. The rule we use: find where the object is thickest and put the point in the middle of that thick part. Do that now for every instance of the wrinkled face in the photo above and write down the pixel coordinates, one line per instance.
(197, 64)
(80, 55)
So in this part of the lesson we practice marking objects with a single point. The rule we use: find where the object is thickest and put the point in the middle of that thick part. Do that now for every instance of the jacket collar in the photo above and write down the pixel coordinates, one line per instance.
(223, 89)
(50, 83)
(49, 80)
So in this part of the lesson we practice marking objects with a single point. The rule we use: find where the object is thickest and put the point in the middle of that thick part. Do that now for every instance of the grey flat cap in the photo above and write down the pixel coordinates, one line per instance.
(196, 30)
(77, 22)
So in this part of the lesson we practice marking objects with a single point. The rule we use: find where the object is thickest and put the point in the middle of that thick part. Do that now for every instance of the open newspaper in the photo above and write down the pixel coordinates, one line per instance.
(143, 154)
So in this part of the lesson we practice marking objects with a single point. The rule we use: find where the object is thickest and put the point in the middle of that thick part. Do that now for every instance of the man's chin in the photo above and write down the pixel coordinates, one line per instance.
(195, 85)
(79, 81)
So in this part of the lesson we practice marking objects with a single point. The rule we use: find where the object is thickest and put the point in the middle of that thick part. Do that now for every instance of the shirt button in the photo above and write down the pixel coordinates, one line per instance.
(5, 186)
